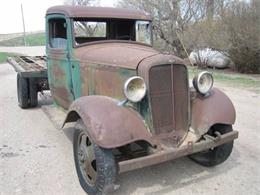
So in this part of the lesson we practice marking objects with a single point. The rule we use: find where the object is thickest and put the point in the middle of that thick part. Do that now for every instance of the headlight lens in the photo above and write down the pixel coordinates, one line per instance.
(135, 89)
(203, 82)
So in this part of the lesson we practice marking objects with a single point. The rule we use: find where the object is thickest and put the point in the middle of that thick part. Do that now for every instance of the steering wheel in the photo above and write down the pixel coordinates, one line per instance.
(124, 37)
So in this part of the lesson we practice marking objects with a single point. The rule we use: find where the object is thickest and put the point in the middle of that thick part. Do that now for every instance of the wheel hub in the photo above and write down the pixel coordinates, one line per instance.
(87, 160)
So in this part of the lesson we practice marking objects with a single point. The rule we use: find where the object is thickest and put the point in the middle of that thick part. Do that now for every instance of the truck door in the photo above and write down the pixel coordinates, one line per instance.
(59, 71)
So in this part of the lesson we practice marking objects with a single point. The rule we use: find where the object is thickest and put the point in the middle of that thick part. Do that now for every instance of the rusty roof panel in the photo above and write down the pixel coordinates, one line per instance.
(98, 12)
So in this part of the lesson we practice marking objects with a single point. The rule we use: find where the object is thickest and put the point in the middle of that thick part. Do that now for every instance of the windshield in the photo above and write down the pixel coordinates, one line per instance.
(91, 30)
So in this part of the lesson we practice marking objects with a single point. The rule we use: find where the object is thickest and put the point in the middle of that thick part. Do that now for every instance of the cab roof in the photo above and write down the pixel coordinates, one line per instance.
(98, 12)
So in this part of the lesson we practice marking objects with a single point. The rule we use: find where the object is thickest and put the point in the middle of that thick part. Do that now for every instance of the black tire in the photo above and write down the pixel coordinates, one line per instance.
(105, 165)
(217, 155)
(33, 92)
(22, 91)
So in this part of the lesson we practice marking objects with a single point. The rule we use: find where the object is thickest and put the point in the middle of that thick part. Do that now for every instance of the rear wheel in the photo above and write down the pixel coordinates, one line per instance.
(217, 155)
(96, 167)
(33, 92)
(22, 91)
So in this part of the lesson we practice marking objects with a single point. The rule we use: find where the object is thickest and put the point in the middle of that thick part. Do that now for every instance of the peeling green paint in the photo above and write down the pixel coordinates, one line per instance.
(63, 68)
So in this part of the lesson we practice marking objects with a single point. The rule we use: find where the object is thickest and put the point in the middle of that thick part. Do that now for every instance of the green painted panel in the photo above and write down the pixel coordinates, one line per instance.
(59, 69)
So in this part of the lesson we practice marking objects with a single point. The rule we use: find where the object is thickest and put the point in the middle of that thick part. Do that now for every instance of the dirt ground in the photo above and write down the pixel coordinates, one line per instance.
(36, 158)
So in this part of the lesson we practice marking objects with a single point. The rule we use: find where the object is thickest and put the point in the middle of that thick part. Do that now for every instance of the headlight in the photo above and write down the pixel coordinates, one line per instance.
(203, 82)
(135, 89)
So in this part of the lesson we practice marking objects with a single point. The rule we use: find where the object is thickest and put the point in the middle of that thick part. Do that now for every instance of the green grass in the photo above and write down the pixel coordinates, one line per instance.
(4, 56)
(231, 78)
(31, 40)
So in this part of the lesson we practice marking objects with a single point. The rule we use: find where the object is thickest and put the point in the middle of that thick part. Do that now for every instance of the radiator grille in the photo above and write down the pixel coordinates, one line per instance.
(168, 87)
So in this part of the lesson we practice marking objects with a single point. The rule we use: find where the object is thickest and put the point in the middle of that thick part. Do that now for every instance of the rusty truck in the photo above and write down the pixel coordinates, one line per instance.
(132, 105)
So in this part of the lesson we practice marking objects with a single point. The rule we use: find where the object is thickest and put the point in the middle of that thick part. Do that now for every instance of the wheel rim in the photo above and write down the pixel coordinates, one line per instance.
(87, 159)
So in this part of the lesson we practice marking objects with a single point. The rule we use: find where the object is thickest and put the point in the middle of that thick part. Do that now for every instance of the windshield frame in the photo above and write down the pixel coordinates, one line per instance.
(76, 45)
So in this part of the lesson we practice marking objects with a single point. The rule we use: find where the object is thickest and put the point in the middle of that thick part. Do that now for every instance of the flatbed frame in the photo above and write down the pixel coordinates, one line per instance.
(32, 77)
(29, 66)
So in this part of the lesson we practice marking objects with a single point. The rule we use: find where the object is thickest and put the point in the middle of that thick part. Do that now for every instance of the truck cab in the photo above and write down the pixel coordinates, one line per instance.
(74, 38)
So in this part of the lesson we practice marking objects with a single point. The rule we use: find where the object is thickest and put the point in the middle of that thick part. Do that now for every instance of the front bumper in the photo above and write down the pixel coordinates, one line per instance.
(168, 154)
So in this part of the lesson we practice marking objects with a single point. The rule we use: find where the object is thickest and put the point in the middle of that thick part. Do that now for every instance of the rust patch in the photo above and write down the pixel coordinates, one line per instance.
(60, 78)
(109, 125)
(84, 79)
(168, 98)
(124, 55)
(61, 97)
(173, 153)
(214, 109)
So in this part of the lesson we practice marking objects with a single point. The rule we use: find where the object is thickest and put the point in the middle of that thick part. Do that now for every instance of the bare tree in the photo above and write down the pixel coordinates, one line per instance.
(82, 26)
(210, 9)
(171, 18)
(82, 2)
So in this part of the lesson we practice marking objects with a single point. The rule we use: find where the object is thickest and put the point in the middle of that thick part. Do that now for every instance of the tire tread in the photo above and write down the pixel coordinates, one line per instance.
(106, 166)
(219, 154)
(22, 91)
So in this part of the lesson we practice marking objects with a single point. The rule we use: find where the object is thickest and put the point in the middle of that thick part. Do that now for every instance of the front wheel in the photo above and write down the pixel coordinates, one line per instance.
(217, 155)
(96, 167)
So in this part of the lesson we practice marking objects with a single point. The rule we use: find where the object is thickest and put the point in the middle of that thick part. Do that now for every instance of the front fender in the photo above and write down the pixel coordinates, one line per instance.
(214, 109)
(108, 124)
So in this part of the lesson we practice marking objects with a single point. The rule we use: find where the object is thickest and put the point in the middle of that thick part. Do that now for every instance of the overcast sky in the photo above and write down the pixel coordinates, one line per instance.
(34, 12)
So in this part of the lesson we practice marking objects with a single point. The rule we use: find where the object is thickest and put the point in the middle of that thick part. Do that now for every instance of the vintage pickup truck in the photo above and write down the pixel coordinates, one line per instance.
(132, 105)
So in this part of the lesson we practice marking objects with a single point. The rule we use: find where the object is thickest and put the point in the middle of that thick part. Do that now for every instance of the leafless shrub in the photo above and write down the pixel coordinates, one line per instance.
(243, 26)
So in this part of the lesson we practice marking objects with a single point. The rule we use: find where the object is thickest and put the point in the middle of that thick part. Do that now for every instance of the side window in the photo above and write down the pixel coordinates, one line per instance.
(57, 33)
(143, 32)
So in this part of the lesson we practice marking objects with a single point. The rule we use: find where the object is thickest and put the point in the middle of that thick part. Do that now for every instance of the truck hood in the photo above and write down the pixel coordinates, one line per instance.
(126, 55)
